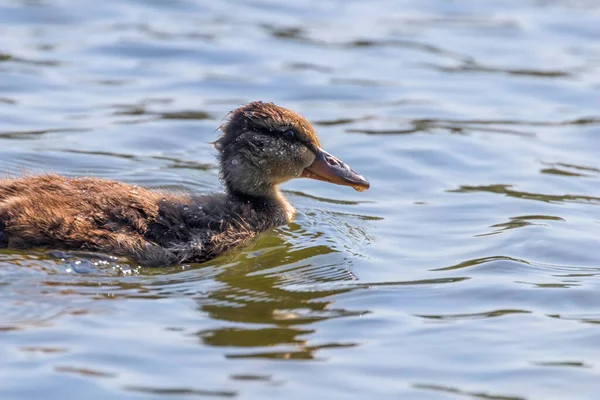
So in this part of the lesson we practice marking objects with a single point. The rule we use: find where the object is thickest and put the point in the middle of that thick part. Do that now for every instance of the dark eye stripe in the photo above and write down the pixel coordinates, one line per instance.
(288, 134)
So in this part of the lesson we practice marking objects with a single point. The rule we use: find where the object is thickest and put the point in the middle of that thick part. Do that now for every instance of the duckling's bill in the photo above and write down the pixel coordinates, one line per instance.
(330, 169)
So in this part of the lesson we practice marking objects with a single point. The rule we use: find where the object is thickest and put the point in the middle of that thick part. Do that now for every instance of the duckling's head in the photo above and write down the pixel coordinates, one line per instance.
(263, 145)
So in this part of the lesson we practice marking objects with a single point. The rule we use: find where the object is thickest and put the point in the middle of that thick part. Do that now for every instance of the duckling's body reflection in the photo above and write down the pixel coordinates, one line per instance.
(265, 295)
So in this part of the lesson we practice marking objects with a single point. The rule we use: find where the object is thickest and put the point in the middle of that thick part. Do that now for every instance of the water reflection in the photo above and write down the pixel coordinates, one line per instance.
(173, 162)
(434, 125)
(480, 261)
(179, 391)
(20, 135)
(485, 314)
(520, 222)
(565, 169)
(474, 67)
(508, 191)
(465, 393)
(20, 60)
(450, 126)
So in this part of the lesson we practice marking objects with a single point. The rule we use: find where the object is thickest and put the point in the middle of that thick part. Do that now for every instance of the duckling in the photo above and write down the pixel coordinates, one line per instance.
(261, 145)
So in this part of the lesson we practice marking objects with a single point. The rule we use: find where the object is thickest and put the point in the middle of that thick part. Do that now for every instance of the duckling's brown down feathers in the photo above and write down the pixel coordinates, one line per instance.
(100, 215)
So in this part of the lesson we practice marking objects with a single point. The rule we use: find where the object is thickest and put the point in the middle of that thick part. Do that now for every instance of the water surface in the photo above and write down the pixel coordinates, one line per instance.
(469, 270)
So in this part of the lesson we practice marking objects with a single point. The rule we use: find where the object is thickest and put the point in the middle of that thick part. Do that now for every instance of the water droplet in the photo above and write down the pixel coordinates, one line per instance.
(185, 208)
(234, 161)
(261, 162)
(181, 226)
(164, 200)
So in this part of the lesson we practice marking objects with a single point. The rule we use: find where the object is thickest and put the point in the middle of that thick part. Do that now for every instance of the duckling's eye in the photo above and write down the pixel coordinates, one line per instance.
(289, 134)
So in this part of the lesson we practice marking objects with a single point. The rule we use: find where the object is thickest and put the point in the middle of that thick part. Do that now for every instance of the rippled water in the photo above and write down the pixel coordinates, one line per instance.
(469, 270)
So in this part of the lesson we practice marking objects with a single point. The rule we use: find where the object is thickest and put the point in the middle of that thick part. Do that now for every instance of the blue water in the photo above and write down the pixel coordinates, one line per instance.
(468, 270)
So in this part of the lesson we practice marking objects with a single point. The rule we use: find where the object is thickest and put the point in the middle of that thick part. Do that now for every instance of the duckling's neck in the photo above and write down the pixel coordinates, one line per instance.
(248, 187)
(271, 205)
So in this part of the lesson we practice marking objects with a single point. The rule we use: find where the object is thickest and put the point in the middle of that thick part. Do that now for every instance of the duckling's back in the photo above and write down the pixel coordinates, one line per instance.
(52, 210)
